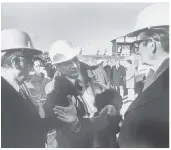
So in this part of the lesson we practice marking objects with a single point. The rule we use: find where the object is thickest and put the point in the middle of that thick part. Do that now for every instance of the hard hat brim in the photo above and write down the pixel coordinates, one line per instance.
(29, 50)
(74, 54)
(137, 32)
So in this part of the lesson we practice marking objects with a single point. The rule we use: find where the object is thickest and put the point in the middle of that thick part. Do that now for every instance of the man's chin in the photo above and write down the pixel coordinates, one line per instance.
(73, 75)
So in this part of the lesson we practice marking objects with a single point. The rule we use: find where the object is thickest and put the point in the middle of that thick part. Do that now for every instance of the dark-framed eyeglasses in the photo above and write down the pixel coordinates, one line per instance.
(138, 42)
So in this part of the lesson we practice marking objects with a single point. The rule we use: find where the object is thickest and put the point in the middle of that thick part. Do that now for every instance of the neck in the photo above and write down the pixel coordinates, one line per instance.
(158, 61)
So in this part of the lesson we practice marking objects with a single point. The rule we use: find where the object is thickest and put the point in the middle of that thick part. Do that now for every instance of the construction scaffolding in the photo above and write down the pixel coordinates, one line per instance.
(124, 46)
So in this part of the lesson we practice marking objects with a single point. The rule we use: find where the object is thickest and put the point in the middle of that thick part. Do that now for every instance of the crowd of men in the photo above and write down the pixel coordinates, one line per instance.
(65, 102)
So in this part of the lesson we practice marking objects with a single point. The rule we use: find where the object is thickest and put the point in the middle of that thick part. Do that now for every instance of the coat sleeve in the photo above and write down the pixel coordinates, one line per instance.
(97, 123)
(93, 124)
(123, 71)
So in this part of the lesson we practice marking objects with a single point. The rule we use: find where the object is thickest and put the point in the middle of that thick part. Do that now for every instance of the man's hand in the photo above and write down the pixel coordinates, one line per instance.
(108, 110)
(66, 114)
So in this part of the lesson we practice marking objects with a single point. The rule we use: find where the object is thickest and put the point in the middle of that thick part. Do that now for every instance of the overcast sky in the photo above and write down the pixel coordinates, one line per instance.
(80, 23)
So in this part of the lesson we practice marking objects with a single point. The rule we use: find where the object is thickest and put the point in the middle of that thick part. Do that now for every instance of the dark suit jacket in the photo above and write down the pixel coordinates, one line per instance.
(21, 125)
(62, 88)
(117, 75)
(58, 96)
(146, 121)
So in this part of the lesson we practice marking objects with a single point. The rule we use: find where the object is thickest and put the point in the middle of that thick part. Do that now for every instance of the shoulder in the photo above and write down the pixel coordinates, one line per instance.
(6, 88)
(122, 66)
(113, 67)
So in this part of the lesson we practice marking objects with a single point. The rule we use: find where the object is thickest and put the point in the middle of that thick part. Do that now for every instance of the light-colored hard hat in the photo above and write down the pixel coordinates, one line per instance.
(62, 51)
(12, 39)
(99, 62)
(153, 16)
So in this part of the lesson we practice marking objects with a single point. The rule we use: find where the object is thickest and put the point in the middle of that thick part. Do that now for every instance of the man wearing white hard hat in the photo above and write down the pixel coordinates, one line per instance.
(146, 122)
(20, 123)
(72, 110)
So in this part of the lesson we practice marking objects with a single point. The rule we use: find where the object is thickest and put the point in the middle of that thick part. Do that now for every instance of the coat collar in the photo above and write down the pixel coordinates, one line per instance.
(159, 71)
(157, 81)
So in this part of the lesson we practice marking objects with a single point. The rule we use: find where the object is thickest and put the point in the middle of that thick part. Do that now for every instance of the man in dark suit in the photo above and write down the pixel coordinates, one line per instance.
(21, 124)
(64, 56)
(118, 73)
(146, 122)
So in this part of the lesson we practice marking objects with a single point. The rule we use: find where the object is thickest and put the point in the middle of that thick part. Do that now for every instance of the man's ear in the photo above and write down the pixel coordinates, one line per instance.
(15, 62)
(152, 46)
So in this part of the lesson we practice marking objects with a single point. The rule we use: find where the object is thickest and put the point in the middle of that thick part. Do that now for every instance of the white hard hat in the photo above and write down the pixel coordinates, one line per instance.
(12, 39)
(153, 16)
(61, 51)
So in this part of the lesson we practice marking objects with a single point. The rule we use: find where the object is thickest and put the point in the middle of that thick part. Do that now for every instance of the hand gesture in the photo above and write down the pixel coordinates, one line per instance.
(66, 114)
(108, 110)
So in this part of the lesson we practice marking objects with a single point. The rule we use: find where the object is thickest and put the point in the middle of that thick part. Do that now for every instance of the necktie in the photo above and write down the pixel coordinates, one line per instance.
(79, 87)
(86, 106)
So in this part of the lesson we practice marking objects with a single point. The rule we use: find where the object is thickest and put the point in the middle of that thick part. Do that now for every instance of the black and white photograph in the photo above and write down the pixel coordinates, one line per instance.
(85, 74)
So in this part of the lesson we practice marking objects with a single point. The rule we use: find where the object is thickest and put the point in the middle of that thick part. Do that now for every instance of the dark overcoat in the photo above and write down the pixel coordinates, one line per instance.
(146, 122)
(21, 125)
(118, 75)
